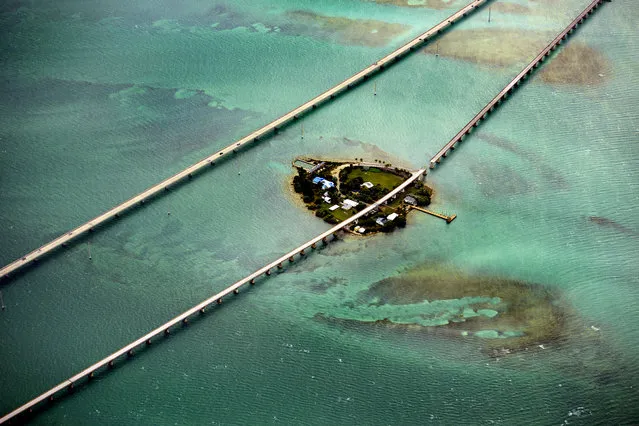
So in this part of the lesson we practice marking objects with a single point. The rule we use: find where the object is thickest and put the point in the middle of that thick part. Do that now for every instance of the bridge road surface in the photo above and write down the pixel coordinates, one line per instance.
(88, 372)
(217, 298)
(251, 138)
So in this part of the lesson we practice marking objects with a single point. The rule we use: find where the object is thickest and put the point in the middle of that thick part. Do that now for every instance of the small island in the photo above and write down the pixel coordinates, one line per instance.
(336, 191)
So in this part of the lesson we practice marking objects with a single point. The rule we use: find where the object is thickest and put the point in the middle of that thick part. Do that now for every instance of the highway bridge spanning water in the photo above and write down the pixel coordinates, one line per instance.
(516, 82)
(183, 318)
(301, 250)
(247, 140)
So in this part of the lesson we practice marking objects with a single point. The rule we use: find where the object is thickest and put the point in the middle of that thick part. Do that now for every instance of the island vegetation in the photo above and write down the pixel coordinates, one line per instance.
(336, 191)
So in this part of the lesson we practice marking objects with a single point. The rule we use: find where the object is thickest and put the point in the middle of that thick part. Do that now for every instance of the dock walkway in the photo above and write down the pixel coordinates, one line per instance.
(527, 71)
(448, 219)
(247, 140)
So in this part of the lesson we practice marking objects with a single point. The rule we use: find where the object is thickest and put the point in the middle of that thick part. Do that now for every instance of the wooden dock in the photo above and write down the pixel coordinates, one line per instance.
(516, 82)
(165, 329)
(254, 137)
(448, 219)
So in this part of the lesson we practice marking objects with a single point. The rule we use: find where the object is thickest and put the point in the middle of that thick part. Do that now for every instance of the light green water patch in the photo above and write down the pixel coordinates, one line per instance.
(487, 334)
(185, 93)
(427, 314)
(469, 313)
(261, 28)
(490, 313)
(167, 25)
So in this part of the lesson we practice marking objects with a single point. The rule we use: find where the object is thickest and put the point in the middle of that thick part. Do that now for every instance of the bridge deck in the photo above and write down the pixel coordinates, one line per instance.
(249, 139)
(514, 83)
(299, 250)
(87, 372)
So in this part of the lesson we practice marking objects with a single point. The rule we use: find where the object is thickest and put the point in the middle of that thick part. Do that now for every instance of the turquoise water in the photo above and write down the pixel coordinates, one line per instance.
(101, 99)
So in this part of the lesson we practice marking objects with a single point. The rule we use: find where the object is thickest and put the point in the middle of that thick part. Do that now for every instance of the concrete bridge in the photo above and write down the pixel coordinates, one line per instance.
(165, 329)
(516, 82)
(302, 250)
(254, 137)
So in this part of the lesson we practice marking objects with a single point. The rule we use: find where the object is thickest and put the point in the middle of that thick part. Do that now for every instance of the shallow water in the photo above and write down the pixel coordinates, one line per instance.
(101, 99)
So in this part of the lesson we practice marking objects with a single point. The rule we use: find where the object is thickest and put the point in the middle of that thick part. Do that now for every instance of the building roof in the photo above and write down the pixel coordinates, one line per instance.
(327, 184)
(351, 203)
(392, 216)
(410, 200)
(361, 230)
(318, 179)
(335, 207)
(381, 220)
(367, 185)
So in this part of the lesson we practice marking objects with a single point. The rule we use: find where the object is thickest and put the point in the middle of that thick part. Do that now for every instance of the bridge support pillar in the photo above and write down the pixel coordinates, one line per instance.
(279, 265)
(202, 310)
(110, 364)
(268, 273)
(253, 281)
(130, 352)
(313, 246)
(324, 240)
(302, 253)
(148, 342)
(185, 321)
(291, 259)
(236, 291)
(219, 301)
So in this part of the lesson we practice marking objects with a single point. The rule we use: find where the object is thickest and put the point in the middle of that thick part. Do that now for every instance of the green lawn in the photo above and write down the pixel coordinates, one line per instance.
(341, 214)
(386, 180)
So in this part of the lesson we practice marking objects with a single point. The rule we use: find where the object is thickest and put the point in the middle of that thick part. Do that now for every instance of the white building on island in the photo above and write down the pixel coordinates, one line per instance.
(348, 204)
